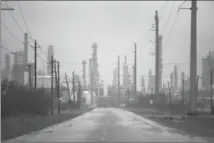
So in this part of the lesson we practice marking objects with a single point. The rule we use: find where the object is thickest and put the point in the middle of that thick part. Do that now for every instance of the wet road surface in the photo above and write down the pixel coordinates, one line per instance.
(107, 125)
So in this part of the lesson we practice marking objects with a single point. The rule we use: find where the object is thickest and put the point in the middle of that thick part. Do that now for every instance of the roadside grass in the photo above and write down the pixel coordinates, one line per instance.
(195, 126)
(203, 127)
(12, 127)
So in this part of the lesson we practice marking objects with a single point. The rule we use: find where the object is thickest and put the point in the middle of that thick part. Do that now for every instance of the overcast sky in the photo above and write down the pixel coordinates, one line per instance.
(72, 27)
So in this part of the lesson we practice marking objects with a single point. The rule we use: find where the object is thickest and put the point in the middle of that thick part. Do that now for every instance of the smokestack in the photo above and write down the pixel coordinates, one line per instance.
(90, 73)
(171, 80)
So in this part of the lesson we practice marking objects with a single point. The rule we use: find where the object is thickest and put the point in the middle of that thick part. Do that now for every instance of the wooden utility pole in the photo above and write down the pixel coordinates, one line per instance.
(118, 76)
(182, 90)
(35, 66)
(26, 48)
(29, 74)
(52, 93)
(91, 79)
(135, 68)
(84, 74)
(56, 84)
(197, 82)
(58, 87)
(73, 89)
(56, 79)
(79, 94)
(128, 96)
(211, 90)
(157, 54)
(169, 93)
(193, 58)
(68, 89)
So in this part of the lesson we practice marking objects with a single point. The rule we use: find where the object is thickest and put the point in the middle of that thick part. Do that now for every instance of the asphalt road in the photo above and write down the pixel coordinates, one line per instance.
(107, 125)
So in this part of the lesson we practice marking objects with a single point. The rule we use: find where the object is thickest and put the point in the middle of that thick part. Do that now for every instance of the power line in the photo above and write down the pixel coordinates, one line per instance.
(182, 4)
(176, 16)
(7, 50)
(42, 50)
(168, 17)
(174, 23)
(162, 9)
(11, 33)
(24, 19)
(43, 58)
(15, 19)
(176, 63)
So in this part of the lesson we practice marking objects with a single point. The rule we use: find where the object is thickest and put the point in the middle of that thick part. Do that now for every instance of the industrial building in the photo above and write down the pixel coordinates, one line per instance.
(207, 65)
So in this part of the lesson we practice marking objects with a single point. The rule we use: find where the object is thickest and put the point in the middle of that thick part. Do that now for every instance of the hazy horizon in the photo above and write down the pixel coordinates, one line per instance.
(72, 27)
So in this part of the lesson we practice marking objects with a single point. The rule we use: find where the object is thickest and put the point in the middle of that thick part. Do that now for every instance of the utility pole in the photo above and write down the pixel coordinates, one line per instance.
(211, 90)
(2, 9)
(90, 79)
(52, 107)
(135, 68)
(193, 58)
(169, 93)
(182, 90)
(128, 96)
(58, 87)
(197, 82)
(26, 48)
(118, 76)
(56, 84)
(68, 89)
(35, 65)
(79, 94)
(84, 72)
(157, 69)
(73, 86)
(29, 74)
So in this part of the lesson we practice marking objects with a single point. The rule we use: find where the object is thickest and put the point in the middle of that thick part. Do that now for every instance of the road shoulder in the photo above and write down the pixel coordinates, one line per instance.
(195, 126)
(13, 127)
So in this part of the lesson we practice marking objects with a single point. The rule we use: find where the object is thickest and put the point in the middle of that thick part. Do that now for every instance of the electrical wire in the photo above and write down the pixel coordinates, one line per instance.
(173, 23)
(168, 17)
(15, 19)
(43, 58)
(162, 9)
(176, 17)
(41, 50)
(182, 4)
(24, 19)
(176, 63)
(27, 29)
(17, 39)
(7, 50)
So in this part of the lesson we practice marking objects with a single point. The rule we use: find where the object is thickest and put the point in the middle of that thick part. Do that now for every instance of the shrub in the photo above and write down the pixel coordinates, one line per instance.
(67, 105)
(18, 100)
